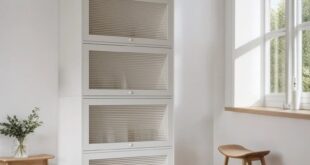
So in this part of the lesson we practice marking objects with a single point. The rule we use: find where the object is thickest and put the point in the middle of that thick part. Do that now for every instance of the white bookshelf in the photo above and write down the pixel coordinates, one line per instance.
(116, 82)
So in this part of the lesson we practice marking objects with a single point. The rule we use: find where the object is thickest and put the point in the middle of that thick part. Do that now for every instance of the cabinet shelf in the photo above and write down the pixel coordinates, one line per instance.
(127, 123)
(121, 70)
(154, 157)
(128, 21)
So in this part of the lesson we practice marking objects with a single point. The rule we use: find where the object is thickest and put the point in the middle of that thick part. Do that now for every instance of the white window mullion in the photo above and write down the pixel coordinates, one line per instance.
(266, 18)
(292, 91)
(267, 70)
(295, 46)
(264, 58)
(274, 34)
(266, 12)
(288, 98)
(298, 50)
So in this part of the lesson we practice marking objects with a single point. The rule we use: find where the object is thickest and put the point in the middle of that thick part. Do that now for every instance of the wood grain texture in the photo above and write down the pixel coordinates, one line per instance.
(226, 160)
(239, 152)
(262, 160)
(277, 112)
(31, 160)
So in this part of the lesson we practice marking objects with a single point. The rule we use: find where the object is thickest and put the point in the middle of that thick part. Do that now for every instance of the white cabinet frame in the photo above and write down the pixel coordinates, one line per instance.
(125, 92)
(126, 145)
(125, 154)
(87, 38)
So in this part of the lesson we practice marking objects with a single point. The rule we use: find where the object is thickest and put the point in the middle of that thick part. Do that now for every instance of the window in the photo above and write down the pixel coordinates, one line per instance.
(281, 39)
(296, 31)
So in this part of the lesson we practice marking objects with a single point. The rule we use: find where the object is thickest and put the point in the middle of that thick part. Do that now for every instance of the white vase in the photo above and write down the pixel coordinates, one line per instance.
(20, 149)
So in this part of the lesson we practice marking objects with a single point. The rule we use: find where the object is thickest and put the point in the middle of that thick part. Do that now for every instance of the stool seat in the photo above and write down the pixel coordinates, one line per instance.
(237, 151)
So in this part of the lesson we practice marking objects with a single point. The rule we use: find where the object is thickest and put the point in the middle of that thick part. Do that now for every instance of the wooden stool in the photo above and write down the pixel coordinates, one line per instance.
(239, 152)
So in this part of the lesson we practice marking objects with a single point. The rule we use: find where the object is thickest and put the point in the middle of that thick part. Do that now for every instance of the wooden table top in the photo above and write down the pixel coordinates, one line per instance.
(30, 158)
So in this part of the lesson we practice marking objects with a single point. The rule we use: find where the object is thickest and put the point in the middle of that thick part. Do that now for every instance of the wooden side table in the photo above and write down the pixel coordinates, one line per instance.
(31, 160)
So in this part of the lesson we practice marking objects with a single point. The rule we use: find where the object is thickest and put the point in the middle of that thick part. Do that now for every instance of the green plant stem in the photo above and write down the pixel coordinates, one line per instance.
(21, 146)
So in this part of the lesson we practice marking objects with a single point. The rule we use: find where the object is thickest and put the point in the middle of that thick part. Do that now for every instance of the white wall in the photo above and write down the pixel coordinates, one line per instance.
(288, 139)
(198, 41)
(70, 67)
(28, 68)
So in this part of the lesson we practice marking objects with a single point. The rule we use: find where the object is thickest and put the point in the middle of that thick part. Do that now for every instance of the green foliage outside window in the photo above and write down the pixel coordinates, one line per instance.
(277, 50)
(278, 16)
(306, 48)
(277, 67)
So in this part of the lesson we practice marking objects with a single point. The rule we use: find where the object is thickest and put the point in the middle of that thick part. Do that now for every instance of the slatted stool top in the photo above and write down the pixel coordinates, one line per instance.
(237, 151)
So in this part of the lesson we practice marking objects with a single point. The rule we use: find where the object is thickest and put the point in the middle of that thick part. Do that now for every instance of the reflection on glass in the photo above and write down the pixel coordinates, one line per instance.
(277, 65)
(305, 10)
(277, 14)
(306, 61)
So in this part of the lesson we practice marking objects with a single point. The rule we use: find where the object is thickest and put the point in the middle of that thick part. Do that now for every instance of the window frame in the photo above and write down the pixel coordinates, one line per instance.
(293, 97)
(300, 27)
(274, 99)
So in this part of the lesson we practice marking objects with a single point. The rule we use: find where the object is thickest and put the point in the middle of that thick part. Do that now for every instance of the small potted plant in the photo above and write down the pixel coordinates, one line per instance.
(20, 129)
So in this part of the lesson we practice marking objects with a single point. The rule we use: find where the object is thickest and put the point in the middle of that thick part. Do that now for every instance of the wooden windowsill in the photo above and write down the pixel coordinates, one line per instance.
(266, 111)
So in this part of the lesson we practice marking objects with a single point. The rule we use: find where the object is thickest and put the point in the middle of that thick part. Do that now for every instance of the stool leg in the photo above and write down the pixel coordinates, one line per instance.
(262, 160)
(244, 161)
(249, 162)
(226, 160)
